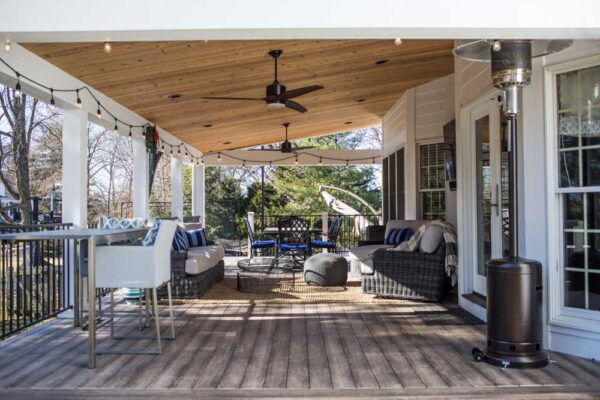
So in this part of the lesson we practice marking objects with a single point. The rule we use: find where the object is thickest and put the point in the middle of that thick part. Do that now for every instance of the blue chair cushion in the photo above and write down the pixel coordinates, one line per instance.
(180, 241)
(323, 244)
(150, 237)
(285, 246)
(397, 236)
(261, 244)
(197, 237)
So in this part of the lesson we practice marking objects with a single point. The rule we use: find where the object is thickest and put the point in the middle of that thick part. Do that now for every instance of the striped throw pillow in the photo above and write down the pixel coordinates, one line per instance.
(397, 236)
(150, 237)
(180, 241)
(197, 237)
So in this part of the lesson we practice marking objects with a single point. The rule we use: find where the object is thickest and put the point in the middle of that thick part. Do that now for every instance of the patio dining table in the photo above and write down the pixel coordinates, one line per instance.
(83, 238)
(273, 230)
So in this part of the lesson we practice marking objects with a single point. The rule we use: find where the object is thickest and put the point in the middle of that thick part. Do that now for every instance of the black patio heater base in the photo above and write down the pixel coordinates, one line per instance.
(514, 313)
(514, 284)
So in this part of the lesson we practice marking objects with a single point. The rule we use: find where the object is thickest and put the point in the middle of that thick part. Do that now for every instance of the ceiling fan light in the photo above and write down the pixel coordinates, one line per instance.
(274, 105)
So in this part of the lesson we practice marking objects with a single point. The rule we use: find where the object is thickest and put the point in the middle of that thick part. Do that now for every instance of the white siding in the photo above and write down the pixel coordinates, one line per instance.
(418, 117)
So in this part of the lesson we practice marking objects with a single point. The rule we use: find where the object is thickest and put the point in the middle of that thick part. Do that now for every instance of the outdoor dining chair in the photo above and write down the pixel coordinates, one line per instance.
(294, 239)
(138, 267)
(257, 245)
(332, 234)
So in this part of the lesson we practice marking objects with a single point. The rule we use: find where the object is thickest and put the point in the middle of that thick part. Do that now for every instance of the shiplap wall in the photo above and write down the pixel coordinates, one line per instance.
(418, 117)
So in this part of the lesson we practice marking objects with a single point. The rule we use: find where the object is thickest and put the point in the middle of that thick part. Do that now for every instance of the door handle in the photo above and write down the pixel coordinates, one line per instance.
(496, 196)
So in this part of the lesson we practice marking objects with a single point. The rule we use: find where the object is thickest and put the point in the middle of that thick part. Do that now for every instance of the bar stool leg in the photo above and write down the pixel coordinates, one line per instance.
(171, 310)
(156, 319)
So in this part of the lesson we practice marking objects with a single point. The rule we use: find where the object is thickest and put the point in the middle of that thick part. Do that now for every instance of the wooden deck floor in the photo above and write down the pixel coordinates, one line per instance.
(331, 350)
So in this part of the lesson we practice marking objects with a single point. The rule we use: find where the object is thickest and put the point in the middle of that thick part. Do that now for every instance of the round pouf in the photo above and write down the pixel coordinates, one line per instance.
(326, 269)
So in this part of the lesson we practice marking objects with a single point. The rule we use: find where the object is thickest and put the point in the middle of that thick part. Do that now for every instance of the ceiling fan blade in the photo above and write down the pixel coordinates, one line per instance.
(290, 94)
(235, 98)
(295, 106)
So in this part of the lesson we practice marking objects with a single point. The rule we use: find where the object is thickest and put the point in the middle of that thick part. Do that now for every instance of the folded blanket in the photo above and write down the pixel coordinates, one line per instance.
(450, 242)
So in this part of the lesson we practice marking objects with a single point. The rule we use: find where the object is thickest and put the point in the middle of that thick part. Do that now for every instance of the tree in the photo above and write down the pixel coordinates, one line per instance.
(21, 118)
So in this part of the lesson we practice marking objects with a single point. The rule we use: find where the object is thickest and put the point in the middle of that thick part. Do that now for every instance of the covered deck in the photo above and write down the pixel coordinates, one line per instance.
(287, 350)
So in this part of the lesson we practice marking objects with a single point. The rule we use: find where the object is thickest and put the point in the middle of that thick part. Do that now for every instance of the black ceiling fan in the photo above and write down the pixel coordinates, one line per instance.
(277, 95)
(286, 145)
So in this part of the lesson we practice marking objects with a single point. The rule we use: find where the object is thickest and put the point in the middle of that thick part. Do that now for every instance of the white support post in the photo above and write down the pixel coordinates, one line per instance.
(251, 223)
(199, 193)
(176, 188)
(141, 179)
(74, 180)
(325, 227)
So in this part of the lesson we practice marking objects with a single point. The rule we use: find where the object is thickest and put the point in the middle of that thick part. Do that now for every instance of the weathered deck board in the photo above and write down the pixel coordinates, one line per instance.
(337, 350)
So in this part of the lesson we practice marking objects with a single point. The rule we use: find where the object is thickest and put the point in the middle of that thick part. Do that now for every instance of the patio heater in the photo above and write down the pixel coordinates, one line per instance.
(514, 284)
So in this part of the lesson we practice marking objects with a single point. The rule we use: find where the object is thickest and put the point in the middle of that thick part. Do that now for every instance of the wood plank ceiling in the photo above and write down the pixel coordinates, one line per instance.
(358, 91)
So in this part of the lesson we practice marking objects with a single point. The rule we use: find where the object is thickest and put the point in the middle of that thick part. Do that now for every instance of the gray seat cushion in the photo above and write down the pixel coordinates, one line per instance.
(326, 269)
(431, 239)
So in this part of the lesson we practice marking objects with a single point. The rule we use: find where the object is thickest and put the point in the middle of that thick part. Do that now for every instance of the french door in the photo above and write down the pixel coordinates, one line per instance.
(488, 129)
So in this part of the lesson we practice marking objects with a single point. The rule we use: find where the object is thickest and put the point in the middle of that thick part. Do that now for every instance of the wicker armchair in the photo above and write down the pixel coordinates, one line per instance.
(408, 275)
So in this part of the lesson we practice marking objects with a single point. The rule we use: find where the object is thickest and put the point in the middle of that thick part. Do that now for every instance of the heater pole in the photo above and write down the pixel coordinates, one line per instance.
(513, 187)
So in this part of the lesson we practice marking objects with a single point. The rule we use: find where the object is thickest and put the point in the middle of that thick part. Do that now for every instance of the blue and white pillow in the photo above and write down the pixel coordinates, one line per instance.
(150, 237)
(180, 241)
(197, 237)
(120, 223)
(397, 236)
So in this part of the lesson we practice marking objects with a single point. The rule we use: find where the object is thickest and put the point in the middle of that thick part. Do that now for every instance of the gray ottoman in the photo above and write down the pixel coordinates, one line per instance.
(326, 269)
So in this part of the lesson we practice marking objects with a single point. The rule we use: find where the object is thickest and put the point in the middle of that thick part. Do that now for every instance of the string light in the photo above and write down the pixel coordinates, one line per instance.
(78, 102)
(320, 161)
(116, 129)
(171, 150)
(52, 101)
(346, 163)
(397, 41)
(202, 160)
(373, 160)
(107, 47)
(130, 127)
(162, 146)
(18, 91)
(178, 150)
(296, 160)
(143, 133)
(7, 46)
(219, 157)
(99, 112)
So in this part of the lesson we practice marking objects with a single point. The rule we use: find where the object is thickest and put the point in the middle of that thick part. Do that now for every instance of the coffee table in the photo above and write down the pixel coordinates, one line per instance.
(266, 275)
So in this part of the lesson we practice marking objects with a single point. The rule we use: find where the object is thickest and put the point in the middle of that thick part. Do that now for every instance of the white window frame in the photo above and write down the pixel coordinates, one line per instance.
(559, 314)
(418, 172)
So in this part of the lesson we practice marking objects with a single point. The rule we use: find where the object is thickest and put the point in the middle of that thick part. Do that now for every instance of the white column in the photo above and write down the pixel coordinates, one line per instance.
(199, 193)
(140, 180)
(176, 188)
(74, 180)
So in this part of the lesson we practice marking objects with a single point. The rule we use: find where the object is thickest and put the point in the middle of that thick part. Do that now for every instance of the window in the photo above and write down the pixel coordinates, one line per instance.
(578, 119)
(432, 184)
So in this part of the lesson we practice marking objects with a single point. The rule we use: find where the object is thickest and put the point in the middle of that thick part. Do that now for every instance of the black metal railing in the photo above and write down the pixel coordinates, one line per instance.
(352, 227)
(34, 278)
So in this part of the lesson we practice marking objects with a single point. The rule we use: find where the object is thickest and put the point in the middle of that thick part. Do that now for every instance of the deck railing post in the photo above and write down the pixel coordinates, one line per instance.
(251, 223)
(325, 226)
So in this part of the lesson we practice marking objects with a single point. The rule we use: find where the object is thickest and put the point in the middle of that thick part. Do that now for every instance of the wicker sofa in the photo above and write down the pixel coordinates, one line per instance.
(414, 275)
(186, 285)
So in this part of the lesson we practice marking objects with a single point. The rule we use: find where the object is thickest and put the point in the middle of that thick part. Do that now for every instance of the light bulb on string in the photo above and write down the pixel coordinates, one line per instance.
(99, 112)
(178, 150)
(373, 160)
(52, 101)
(130, 127)
(296, 160)
(320, 161)
(497, 46)
(18, 91)
(78, 102)
(219, 157)
(397, 41)
(346, 163)
(116, 128)
(107, 47)
(7, 46)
